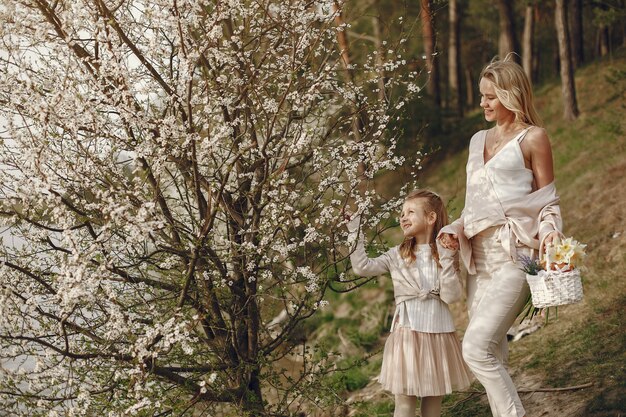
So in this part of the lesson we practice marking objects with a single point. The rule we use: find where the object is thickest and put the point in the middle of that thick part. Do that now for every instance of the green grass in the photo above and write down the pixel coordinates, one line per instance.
(380, 409)
(467, 405)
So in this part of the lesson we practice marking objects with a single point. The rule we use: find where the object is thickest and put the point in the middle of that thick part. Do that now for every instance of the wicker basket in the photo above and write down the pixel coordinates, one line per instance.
(555, 288)
(559, 285)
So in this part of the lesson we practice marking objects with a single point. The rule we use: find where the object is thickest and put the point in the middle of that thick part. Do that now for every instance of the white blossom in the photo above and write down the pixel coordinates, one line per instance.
(169, 171)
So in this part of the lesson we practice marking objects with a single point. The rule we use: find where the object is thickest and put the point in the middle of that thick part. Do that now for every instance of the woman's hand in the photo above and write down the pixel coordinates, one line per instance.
(551, 237)
(449, 241)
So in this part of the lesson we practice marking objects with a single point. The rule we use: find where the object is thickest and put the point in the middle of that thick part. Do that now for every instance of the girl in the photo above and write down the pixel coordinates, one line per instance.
(510, 205)
(422, 355)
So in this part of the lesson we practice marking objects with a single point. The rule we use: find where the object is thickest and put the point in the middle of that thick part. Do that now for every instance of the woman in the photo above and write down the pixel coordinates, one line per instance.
(510, 206)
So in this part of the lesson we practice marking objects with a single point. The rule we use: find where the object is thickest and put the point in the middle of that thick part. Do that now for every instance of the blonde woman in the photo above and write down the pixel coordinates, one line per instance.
(510, 206)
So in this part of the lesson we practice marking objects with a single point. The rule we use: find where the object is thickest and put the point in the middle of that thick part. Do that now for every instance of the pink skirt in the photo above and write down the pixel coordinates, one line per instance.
(423, 364)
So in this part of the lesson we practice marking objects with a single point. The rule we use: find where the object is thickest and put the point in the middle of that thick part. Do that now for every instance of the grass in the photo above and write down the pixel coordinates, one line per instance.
(587, 343)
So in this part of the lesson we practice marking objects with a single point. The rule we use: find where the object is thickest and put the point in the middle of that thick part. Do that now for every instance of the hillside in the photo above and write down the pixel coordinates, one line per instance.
(586, 344)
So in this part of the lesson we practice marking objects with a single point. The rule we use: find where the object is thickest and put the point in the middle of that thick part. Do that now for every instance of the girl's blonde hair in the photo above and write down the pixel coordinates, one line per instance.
(513, 89)
(433, 203)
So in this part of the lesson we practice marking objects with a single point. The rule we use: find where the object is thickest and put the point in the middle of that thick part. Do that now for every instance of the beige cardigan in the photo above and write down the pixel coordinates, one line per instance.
(406, 281)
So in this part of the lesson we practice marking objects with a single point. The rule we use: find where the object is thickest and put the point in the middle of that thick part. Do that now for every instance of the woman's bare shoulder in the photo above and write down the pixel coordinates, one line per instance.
(537, 138)
(537, 134)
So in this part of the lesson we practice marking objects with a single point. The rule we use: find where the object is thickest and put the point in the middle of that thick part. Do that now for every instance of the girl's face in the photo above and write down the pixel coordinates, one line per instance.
(493, 108)
(415, 222)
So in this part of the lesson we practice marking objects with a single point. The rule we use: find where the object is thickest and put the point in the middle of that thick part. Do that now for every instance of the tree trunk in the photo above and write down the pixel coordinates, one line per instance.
(578, 54)
(570, 107)
(360, 114)
(342, 41)
(253, 400)
(527, 41)
(380, 53)
(469, 87)
(428, 32)
(454, 59)
(508, 40)
(623, 20)
(603, 40)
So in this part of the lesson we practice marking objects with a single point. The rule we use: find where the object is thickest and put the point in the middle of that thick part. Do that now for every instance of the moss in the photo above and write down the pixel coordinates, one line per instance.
(350, 379)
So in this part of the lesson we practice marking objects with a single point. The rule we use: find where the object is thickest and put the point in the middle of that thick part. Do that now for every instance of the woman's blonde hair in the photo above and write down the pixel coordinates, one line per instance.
(433, 203)
(513, 89)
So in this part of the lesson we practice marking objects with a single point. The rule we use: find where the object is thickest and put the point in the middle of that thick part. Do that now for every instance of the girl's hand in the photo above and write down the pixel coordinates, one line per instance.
(550, 238)
(352, 220)
(449, 241)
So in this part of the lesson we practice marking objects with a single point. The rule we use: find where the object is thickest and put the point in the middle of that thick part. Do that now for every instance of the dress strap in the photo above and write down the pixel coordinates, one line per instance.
(522, 134)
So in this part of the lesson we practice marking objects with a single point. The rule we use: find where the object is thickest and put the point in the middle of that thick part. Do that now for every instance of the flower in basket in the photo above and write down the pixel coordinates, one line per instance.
(553, 279)
(529, 265)
(564, 254)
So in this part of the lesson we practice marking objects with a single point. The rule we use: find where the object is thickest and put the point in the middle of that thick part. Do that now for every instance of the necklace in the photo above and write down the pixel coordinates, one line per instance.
(498, 142)
(495, 142)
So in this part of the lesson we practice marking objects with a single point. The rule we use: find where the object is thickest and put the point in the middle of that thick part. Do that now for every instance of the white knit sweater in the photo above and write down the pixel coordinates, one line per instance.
(416, 286)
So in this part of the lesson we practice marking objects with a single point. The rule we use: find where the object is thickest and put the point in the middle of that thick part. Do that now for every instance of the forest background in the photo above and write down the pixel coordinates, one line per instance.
(174, 176)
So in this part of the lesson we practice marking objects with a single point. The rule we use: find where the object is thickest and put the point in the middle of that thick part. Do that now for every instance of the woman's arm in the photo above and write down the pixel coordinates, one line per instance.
(450, 287)
(538, 155)
(449, 235)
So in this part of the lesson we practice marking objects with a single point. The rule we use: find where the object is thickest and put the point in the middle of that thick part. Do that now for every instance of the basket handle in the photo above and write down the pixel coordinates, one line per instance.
(543, 255)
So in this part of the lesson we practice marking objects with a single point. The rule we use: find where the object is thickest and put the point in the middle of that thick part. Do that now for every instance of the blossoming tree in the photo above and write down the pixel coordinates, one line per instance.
(172, 178)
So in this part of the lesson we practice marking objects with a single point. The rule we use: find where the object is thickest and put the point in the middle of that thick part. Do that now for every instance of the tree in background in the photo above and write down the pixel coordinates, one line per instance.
(528, 39)
(508, 36)
(568, 88)
(610, 19)
(173, 179)
(429, 38)
(576, 23)
(454, 57)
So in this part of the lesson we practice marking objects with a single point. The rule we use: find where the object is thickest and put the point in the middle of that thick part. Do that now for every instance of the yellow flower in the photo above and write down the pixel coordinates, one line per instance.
(566, 252)
(578, 254)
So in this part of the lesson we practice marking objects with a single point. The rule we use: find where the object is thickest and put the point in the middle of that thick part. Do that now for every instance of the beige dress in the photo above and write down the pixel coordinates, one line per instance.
(422, 355)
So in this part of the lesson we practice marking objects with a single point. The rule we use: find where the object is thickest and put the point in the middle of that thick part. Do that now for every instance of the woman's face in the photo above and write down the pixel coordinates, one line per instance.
(493, 108)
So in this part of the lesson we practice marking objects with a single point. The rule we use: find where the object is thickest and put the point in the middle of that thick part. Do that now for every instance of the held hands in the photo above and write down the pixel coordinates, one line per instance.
(449, 241)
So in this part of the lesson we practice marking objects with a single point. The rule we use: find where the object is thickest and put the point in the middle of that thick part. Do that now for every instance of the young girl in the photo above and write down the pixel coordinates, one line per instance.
(422, 355)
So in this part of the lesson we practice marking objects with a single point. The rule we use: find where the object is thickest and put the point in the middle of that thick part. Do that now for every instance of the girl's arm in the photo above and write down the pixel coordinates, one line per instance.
(361, 264)
(450, 287)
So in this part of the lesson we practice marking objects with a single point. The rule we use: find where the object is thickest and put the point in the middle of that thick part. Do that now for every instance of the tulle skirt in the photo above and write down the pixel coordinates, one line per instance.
(423, 364)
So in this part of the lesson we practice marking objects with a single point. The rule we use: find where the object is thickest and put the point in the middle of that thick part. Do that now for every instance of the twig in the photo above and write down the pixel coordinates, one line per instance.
(572, 388)
(473, 393)
(528, 391)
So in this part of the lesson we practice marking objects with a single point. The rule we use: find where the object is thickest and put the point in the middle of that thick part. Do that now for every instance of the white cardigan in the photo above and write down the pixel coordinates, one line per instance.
(419, 288)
